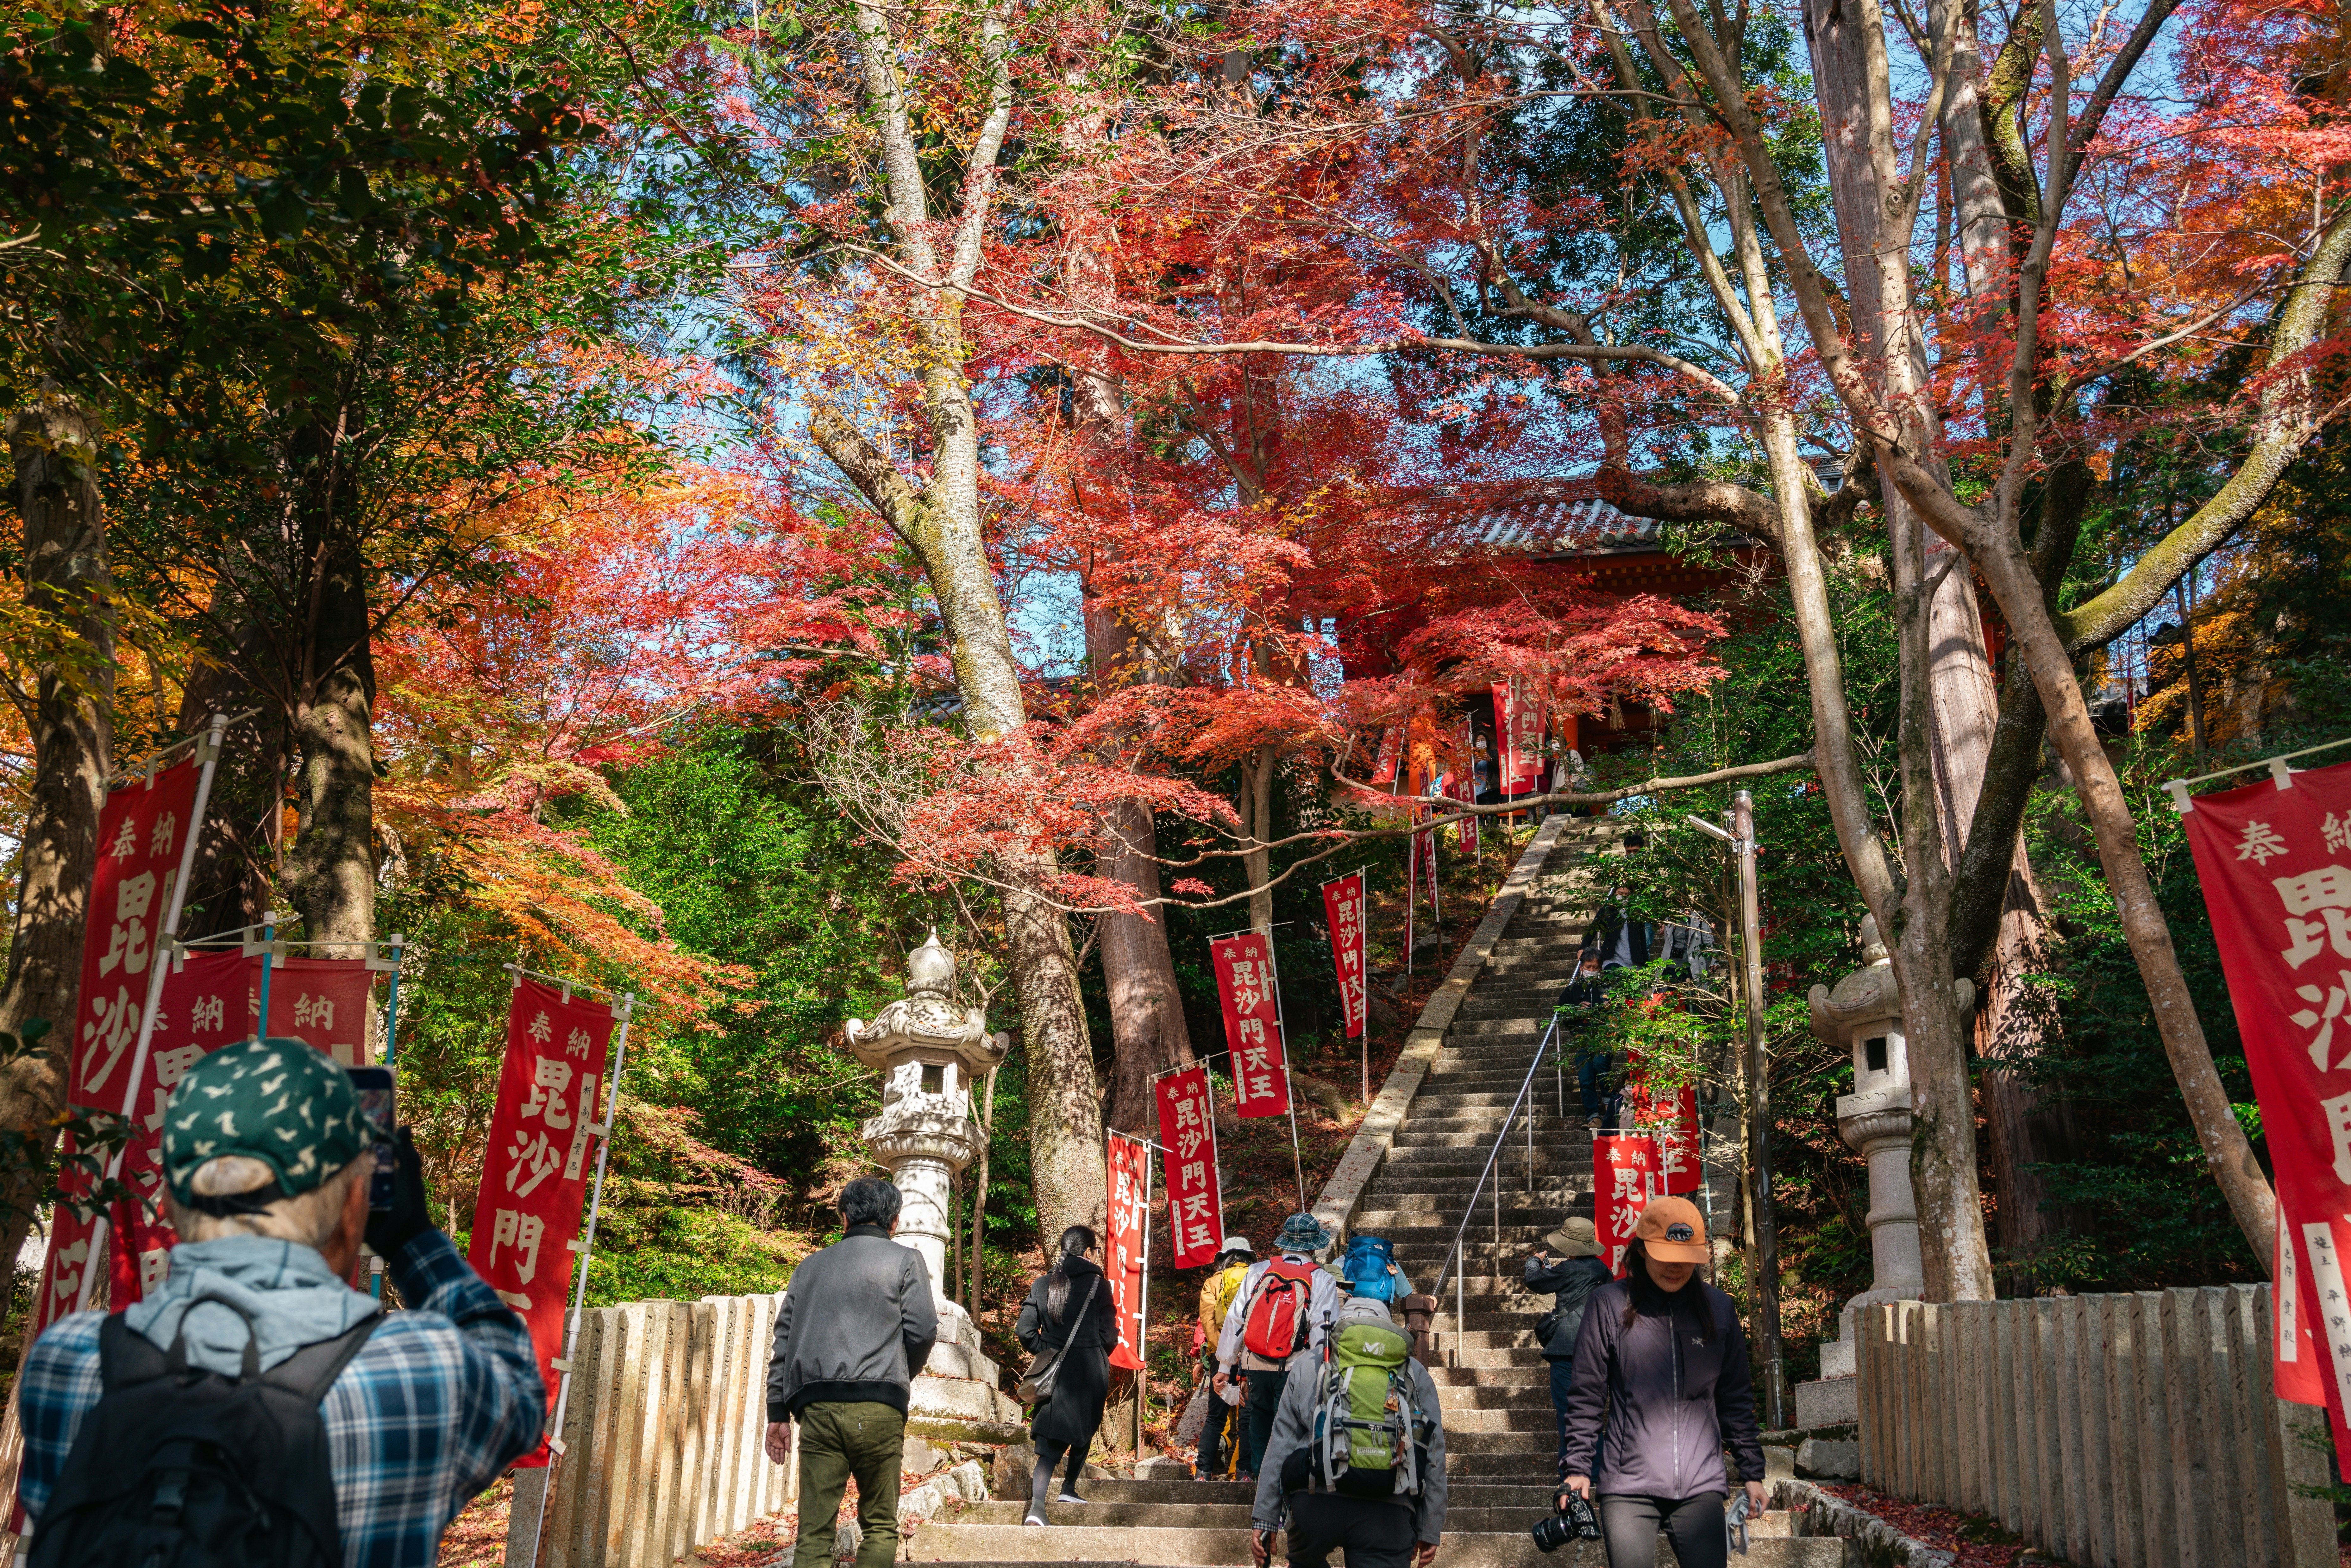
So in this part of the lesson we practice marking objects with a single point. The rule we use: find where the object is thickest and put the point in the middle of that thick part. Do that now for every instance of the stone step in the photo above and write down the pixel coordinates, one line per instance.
(1459, 1515)
(1469, 1160)
(1561, 1190)
(1472, 1491)
(1173, 1546)
(1501, 1074)
(1498, 1029)
(1392, 1223)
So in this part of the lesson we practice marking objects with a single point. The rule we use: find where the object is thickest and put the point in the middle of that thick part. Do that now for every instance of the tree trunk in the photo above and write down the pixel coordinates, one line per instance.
(1148, 1033)
(942, 524)
(54, 447)
(229, 882)
(2227, 1151)
(1848, 47)
(1256, 822)
(330, 871)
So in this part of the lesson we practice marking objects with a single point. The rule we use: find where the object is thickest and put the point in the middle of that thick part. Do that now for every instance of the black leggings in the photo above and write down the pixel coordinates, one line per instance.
(1048, 1454)
(1694, 1524)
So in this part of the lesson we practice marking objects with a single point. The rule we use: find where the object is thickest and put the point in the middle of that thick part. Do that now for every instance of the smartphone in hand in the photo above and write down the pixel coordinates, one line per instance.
(376, 1087)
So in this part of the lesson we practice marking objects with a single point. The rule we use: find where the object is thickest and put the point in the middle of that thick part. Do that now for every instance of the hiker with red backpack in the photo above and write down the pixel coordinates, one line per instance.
(255, 1409)
(1284, 1308)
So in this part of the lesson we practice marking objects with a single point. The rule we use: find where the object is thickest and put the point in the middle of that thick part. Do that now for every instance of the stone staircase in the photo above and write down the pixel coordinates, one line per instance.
(1500, 1448)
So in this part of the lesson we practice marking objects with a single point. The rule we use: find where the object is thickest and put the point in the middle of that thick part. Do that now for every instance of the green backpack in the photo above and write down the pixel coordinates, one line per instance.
(1370, 1437)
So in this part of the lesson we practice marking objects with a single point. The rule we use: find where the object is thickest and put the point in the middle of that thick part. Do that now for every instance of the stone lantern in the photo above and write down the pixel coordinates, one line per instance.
(1863, 1014)
(928, 1051)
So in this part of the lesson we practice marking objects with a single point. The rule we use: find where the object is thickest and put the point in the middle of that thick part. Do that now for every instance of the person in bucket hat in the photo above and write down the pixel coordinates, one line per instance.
(1220, 1437)
(1567, 1268)
(1302, 1236)
(266, 1160)
(1661, 1355)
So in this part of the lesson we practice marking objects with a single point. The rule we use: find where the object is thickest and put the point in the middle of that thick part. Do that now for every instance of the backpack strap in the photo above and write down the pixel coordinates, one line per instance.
(312, 1370)
(124, 1357)
(176, 1358)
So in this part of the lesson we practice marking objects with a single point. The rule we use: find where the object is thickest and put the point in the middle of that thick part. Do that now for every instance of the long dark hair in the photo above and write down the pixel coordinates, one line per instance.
(1641, 1291)
(1076, 1242)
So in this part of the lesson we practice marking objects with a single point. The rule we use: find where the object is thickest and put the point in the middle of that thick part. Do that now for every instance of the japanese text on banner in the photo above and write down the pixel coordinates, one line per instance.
(1627, 1172)
(192, 1019)
(139, 836)
(1343, 912)
(541, 1153)
(1130, 1183)
(1187, 1133)
(2275, 866)
(142, 830)
(322, 1002)
(1668, 1114)
(1252, 1024)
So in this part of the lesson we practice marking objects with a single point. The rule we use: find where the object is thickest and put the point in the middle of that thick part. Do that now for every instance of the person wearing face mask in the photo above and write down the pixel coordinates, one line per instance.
(1661, 1355)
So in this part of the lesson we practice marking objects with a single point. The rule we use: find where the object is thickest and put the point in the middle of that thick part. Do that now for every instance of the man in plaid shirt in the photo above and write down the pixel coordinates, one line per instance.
(266, 1160)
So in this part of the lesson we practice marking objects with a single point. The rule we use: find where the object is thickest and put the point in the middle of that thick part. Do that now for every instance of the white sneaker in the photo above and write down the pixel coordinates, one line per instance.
(1068, 1496)
(1034, 1519)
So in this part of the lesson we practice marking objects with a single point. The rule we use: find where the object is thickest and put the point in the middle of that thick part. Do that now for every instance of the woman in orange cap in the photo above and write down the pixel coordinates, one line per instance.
(1662, 1351)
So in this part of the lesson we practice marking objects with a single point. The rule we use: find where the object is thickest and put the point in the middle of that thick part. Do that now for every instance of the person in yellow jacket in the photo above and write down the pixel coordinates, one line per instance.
(1218, 1434)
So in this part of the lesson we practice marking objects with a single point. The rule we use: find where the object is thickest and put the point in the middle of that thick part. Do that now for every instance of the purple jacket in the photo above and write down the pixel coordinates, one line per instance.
(1677, 1388)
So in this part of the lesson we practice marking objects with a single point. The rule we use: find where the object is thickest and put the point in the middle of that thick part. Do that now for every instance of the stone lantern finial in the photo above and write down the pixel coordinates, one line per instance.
(930, 969)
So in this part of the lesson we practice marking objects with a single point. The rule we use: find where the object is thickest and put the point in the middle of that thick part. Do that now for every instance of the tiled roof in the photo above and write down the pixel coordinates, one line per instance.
(1568, 520)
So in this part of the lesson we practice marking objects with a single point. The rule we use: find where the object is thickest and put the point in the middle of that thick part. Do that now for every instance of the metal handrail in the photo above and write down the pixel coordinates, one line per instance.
(1456, 1266)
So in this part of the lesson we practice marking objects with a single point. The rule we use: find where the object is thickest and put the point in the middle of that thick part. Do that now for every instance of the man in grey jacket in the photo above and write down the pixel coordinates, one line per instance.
(1370, 1533)
(856, 1326)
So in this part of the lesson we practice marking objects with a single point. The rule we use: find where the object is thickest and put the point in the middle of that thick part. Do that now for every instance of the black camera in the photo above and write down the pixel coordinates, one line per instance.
(1573, 1522)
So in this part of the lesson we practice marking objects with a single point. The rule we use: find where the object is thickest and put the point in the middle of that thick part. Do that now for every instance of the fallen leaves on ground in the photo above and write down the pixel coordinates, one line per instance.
(1974, 1541)
(477, 1537)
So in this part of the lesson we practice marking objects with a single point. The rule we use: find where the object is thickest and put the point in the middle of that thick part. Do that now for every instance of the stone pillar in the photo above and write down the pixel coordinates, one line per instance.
(929, 1052)
(1863, 1013)
(925, 1154)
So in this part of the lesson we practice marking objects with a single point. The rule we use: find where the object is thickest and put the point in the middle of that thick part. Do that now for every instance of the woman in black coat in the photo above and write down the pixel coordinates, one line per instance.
(1072, 1305)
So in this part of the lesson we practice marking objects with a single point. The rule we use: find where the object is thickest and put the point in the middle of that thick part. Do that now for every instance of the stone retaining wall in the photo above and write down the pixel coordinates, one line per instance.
(663, 1439)
(2112, 1431)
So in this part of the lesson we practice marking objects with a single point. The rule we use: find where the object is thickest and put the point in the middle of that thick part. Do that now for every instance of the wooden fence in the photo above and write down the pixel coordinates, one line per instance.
(663, 1439)
(2113, 1431)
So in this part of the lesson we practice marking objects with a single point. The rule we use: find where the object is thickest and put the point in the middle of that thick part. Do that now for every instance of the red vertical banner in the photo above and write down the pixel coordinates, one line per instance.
(1253, 1023)
(194, 1017)
(142, 830)
(1670, 1115)
(2275, 864)
(535, 1175)
(1346, 915)
(322, 1002)
(1187, 1134)
(1526, 738)
(139, 835)
(1626, 1173)
(1383, 770)
(1130, 1188)
(1506, 731)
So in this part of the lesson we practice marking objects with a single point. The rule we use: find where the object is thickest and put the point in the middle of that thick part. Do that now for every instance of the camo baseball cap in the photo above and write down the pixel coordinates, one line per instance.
(276, 1100)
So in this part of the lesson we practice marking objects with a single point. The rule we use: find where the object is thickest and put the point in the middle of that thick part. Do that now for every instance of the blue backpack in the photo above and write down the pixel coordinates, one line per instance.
(1369, 1268)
